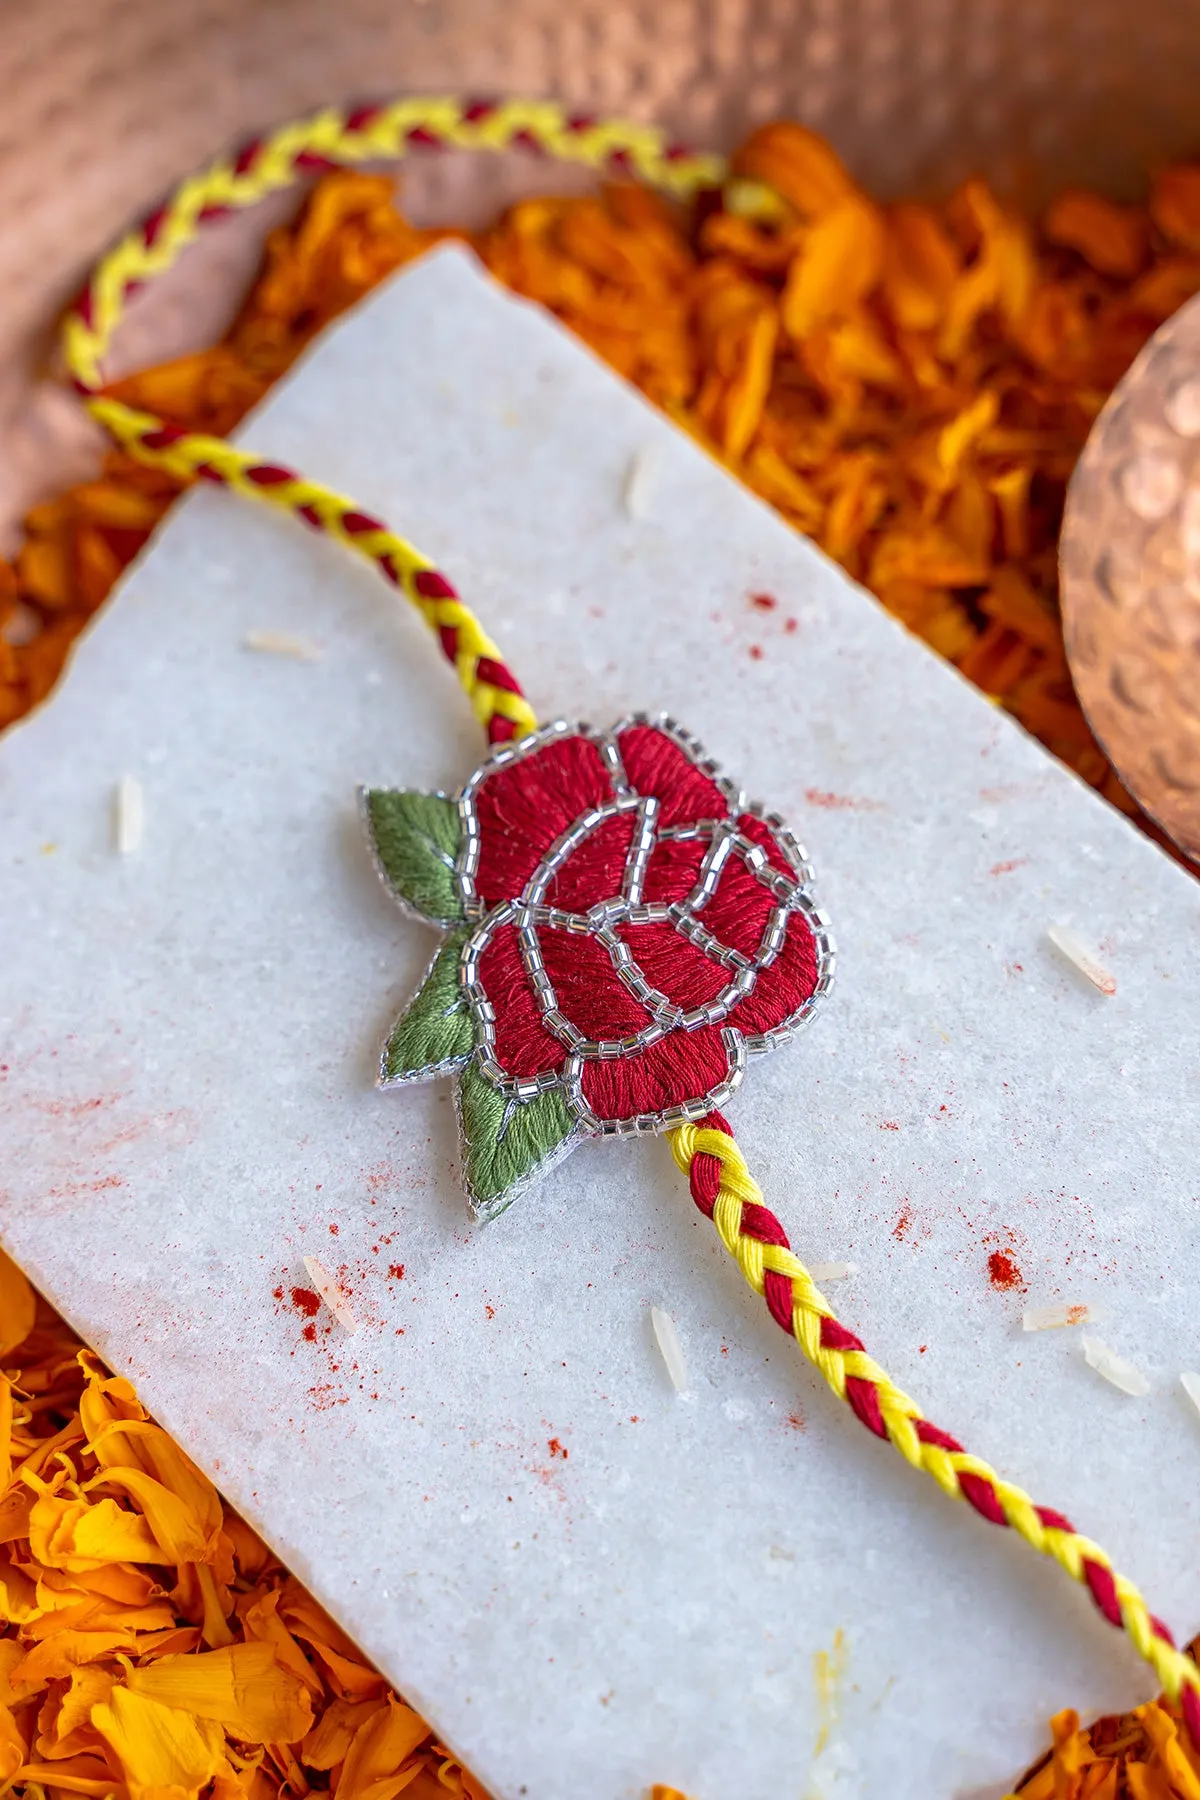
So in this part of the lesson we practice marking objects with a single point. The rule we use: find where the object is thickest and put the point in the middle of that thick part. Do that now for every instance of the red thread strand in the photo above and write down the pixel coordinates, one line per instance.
(864, 1398)
(982, 1496)
(432, 585)
(933, 1434)
(247, 156)
(777, 1292)
(500, 676)
(1104, 1591)
(268, 475)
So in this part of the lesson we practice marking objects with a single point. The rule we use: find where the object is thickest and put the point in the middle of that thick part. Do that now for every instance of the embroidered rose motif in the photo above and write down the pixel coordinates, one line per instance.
(623, 932)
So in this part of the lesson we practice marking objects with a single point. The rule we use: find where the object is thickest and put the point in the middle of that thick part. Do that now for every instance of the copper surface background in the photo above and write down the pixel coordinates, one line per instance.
(1130, 562)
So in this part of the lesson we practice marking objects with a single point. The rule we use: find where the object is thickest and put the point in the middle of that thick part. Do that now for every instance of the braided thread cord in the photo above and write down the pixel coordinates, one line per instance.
(328, 140)
(726, 1192)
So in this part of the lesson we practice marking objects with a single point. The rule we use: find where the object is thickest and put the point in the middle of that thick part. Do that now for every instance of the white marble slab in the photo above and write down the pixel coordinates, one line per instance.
(187, 1109)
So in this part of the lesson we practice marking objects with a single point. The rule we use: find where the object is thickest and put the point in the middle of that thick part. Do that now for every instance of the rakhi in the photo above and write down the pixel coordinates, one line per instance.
(620, 931)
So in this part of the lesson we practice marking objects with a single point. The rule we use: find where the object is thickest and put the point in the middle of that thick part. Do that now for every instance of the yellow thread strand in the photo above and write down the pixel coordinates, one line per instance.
(1070, 1549)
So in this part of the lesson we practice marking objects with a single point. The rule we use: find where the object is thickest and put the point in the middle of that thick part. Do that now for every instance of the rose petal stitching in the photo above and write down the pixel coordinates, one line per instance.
(782, 988)
(525, 804)
(675, 966)
(681, 1067)
(595, 869)
(524, 1046)
(655, 764)
(587, 988)
(673, 868)
(738, 913)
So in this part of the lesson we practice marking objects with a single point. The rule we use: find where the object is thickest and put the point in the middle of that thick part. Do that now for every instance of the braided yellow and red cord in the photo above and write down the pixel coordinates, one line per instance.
(726, 1192)
(330, 139)
(720, 1181)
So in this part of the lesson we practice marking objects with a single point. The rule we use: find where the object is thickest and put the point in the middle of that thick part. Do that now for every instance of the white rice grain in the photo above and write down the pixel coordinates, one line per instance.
(832, 1271)
(672, 1349)
(330, 1293)
(1114, 1368)
(635, 489)
(129, 815)
(1049, 1318)
(282, 643)
(1191, 1386)
(1076, 952)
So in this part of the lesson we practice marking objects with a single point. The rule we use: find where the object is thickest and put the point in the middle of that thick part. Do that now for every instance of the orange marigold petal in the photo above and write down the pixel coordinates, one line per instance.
(242, 1687)
(798, 164)
(158, 1746)
(1112, 238)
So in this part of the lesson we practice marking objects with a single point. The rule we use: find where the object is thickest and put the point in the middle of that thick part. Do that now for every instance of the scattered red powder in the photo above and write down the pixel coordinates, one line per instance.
(333, 1231)
(796, 1421)
(557, 1449)
(306, 1301)
(764, 602)
(903, 1224)
(889, 1125)
(489, 1310)
(395, 1271)
(921, 1349)
(840, 802)
(309, 1334)
(1006, 868)
(1003, 1272)
(756, 652)
(277, 1293)
(790, 625)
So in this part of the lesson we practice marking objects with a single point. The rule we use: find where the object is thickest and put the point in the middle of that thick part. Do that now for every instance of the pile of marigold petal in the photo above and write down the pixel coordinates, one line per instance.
(151, 1647)
(909, 385)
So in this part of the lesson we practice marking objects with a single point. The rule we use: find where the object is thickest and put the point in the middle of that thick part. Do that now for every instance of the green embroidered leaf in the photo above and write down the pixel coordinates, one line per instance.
(508, 1143)
(434, 1033)
(416, 839)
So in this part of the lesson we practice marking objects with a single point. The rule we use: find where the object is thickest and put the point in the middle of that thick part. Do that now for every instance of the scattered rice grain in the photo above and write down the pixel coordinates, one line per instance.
(1114, 1368)
(635, 489)
(283, 643)
(129, 815)
(833, 1271)
(1049, 1318)
(672, 1349)
(330, 1293)
(1191, 1386)
(1080, 957)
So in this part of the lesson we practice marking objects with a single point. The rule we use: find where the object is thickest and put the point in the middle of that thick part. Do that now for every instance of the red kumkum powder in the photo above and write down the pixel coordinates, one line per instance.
(1003, 1271)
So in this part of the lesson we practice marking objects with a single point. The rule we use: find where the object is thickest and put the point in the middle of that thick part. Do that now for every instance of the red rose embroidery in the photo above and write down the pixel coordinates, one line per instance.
(640, 929)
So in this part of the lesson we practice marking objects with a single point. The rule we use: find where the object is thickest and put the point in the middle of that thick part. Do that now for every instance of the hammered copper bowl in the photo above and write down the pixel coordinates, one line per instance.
(107, 102)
